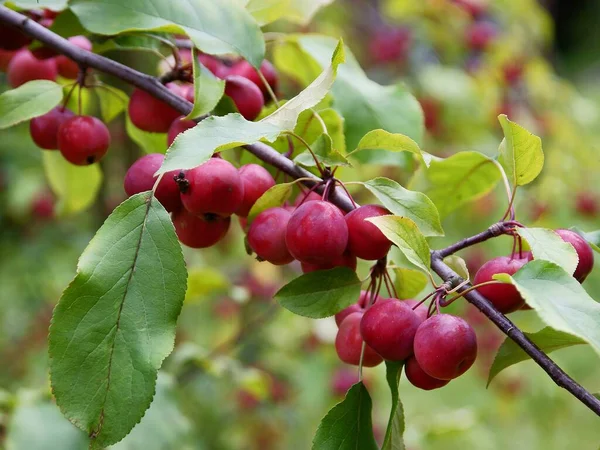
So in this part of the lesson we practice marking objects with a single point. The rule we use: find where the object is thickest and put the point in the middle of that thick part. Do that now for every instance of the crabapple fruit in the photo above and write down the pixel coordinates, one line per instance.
(256, 180)
(83, 140)
(68, 68)
(504, 296)
(245, 94)
(267, 236)
(200, 231)
(178, 126)
(584, 252)
(345, 260)
(365, 240)
(24, 67)
(244, 69)
(359, 306)
(348, 343)
(12, 39)
(445, 346)
(419, 378)
(151, 114)
(44, 129)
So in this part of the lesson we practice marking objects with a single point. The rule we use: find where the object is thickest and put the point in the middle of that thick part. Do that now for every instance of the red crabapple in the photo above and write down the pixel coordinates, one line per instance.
(419, 378)
(267, 236)
(200, 231)
(420, 311)
(445, 346)
(177, 127)
(83, 140)
(345, 260)
(365, 240)
(480, 35)
(5, 57)
(245, 94)
(12, 39)
(24, 67)
(389, 327)
(213, 64)
(317, 233)
(140, 177)
(245, 69)
(343, 379)
(584, 252)
(348, 343)
(359, 306)
(256, 180)
(44, 129)
(68, 68)
(151, 114)
(213, 187)
(587, 204)
(390, 45)
(504, 296)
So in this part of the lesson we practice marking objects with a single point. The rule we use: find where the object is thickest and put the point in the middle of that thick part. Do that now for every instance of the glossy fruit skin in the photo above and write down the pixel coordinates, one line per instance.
(213, 64)
(68, 68)
(348, 343)
(12, 39)
(346, 260)
(200, 231)
(256, 180)
(584, 251)
(178, 126)
(214, 187)
(140, 177)
(389, 328)
(245, 94)
(83, 140)
(44, 129)
(480, 35)
(244, 69)
(445, 346)
(418, 377)
(150, 114)
(266, 236)
(365, 241)
(24, 67)
(359, 306)
(420, 311)
(317, 233)
(504, 297)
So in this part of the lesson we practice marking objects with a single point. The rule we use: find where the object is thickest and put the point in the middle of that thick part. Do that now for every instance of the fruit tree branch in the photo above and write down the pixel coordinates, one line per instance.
(153, 86)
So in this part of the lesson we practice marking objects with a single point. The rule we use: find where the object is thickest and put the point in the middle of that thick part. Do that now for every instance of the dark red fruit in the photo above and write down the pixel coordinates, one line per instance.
(140, 178)
(346, 260)
(306, 197)
(151, 114)
(513, 71)
(348, 343)
(365, 241)
(587, 204)
(42, 206)
(359, 306)
(389, 327)
(178, 126)
(419, 378)
(343, 379)
(213, 64)
(390, 45)
(445, 346)
(25, 67)
(420, 311)
(245, 69)
(432, 112)
(200, 231)
(83, 140)
(44, 129)
(256, 180)
(503, 296)
(267, 236)
(480, 35)
(584, 251)
(67, 67)
(317, 233)
(245, 94)
(214, 187)
(12, 39)
(5, 57)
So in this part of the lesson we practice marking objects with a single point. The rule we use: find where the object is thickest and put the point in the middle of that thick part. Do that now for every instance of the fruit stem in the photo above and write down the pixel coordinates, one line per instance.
(301, 139)
(268, 88)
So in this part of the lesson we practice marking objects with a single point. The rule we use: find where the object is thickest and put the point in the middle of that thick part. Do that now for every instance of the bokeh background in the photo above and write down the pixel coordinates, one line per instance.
(247, 374)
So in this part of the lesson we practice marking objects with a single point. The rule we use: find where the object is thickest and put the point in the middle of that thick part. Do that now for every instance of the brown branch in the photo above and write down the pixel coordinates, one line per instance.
(267, 154)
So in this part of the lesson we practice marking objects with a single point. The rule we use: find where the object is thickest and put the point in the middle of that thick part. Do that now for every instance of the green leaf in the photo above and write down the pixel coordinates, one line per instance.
(546, 244)
(325, 154)
(112, 101)
(391, 142)
(320, 294)
(214, 27)
(559, 299)
(521, 153)
(164, 426)
(54, 5)
(364, 104)
(196, 145)
(348, 425)
(75, 187)
(115, 323)
(275, 196)
(406, 235)
(30, 100)
(309, 127)
(148, 142)
(208, 89)
(547, 339)
(409, 283)
(66, 25)
(466, 175)
(39, 425)
(592, 237)
(129, 42)
(402, 202)
(458, 265)
(394, 435)
(267, 11)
